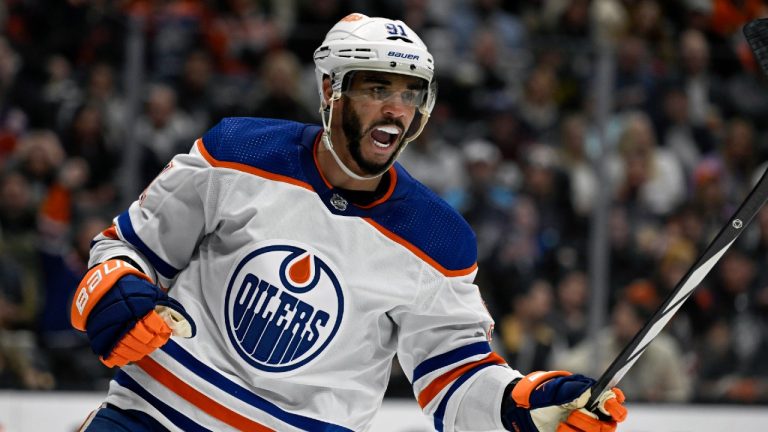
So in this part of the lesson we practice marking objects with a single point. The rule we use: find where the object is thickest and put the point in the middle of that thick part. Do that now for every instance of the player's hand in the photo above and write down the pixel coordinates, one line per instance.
(125, 316)
(555, 402)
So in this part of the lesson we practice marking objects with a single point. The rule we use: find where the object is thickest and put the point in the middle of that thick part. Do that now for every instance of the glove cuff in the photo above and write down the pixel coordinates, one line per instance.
(521, 393)
(513, 417)
(95, 284)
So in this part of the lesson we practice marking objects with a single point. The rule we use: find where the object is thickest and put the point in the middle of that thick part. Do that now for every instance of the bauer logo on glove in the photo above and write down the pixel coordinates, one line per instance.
(125, 316)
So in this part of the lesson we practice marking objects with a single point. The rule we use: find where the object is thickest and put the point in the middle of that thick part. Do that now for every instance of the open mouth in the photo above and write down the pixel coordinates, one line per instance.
(385, 136)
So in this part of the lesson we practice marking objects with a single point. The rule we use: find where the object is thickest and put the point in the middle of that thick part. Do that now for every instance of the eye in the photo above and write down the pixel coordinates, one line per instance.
(380, 93)
(410, 97)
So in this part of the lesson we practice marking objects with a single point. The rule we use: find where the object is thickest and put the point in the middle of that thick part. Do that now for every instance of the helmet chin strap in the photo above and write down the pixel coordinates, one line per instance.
(326, 139)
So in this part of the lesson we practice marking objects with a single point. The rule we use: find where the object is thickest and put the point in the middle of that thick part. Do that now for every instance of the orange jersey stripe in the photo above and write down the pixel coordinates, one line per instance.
(110, 232)
(201, 401)
(317, 163)
(436, 386)
(419, 253)
(390, 190)
(249, 169)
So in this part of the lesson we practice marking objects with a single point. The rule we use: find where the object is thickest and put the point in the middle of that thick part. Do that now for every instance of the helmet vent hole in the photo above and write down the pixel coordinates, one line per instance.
(358, 53)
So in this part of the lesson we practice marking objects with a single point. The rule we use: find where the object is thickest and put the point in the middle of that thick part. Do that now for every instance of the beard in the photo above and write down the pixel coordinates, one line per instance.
(352, 127)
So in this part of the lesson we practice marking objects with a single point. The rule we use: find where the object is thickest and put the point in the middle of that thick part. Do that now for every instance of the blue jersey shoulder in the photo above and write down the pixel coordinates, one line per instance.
(269, 144)
(424, 220)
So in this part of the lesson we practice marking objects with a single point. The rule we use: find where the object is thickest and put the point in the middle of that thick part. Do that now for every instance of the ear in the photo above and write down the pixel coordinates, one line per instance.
(327, 91)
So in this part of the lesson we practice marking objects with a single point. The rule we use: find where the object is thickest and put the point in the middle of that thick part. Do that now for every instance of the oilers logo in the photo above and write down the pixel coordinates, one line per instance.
(284, 305)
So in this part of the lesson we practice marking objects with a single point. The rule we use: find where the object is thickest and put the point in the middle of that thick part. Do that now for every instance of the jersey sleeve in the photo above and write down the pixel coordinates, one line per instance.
(160, 230)
(444, 349)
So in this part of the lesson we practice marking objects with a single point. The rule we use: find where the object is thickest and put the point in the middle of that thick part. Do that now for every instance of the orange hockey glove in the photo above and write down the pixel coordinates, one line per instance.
(554, 402)
(125, 316)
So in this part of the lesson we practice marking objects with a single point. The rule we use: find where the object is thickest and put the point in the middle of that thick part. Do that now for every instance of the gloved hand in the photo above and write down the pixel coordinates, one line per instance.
(555, 402)
(125, 316)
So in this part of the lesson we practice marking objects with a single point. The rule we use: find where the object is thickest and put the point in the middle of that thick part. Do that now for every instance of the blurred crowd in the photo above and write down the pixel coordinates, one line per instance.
(513, 144)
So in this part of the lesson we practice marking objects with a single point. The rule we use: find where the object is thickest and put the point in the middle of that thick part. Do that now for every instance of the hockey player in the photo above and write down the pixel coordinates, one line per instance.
(299, 260)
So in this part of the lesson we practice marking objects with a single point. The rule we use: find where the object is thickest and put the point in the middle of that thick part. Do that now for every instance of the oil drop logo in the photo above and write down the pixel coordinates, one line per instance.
(284, 305)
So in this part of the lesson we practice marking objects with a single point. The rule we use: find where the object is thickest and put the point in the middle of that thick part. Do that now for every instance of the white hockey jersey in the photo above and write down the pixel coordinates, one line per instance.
(302, 298)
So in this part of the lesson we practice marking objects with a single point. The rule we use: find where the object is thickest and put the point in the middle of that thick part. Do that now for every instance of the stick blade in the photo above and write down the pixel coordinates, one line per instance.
(756, 33)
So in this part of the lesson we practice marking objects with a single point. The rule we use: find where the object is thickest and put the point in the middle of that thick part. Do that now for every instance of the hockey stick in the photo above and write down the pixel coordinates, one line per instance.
(756, 33)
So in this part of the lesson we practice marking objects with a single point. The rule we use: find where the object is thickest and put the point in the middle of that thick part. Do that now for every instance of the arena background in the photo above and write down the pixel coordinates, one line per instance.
(595, 146)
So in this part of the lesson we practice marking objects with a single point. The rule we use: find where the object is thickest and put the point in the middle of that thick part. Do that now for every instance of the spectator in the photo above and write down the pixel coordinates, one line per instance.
(528, 337)
(629, 260)
(482, 80)
(485, 200)
(86, 140)
(570, 311)
(568, 20)
(548, 186)
(279, 95)
(102, 92)
(648, 22)
(733, 287)
(636, 82)
(708, 198)
(689, 143)
(538, 107)
(13, 119)
(648, 179)
(176, 28)
(701, 87)
(507, 131)
(244, 32)
(473, 15)
(198, 94)
(38, 157)
(61, 93)
(516, 260)
(576, 164)
(737, 151)
(162, 130)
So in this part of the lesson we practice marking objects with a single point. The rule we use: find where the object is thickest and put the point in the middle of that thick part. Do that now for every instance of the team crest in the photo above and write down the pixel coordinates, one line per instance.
(284, 305)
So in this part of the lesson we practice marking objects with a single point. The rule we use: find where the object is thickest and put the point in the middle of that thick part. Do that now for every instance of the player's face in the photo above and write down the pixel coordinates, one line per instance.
(378, 108)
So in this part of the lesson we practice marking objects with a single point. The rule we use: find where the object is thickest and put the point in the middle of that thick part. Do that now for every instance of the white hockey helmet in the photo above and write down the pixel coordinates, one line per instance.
(359, 42)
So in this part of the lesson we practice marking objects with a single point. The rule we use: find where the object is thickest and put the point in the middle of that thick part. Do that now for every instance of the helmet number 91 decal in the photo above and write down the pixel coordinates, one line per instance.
(396, 30)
